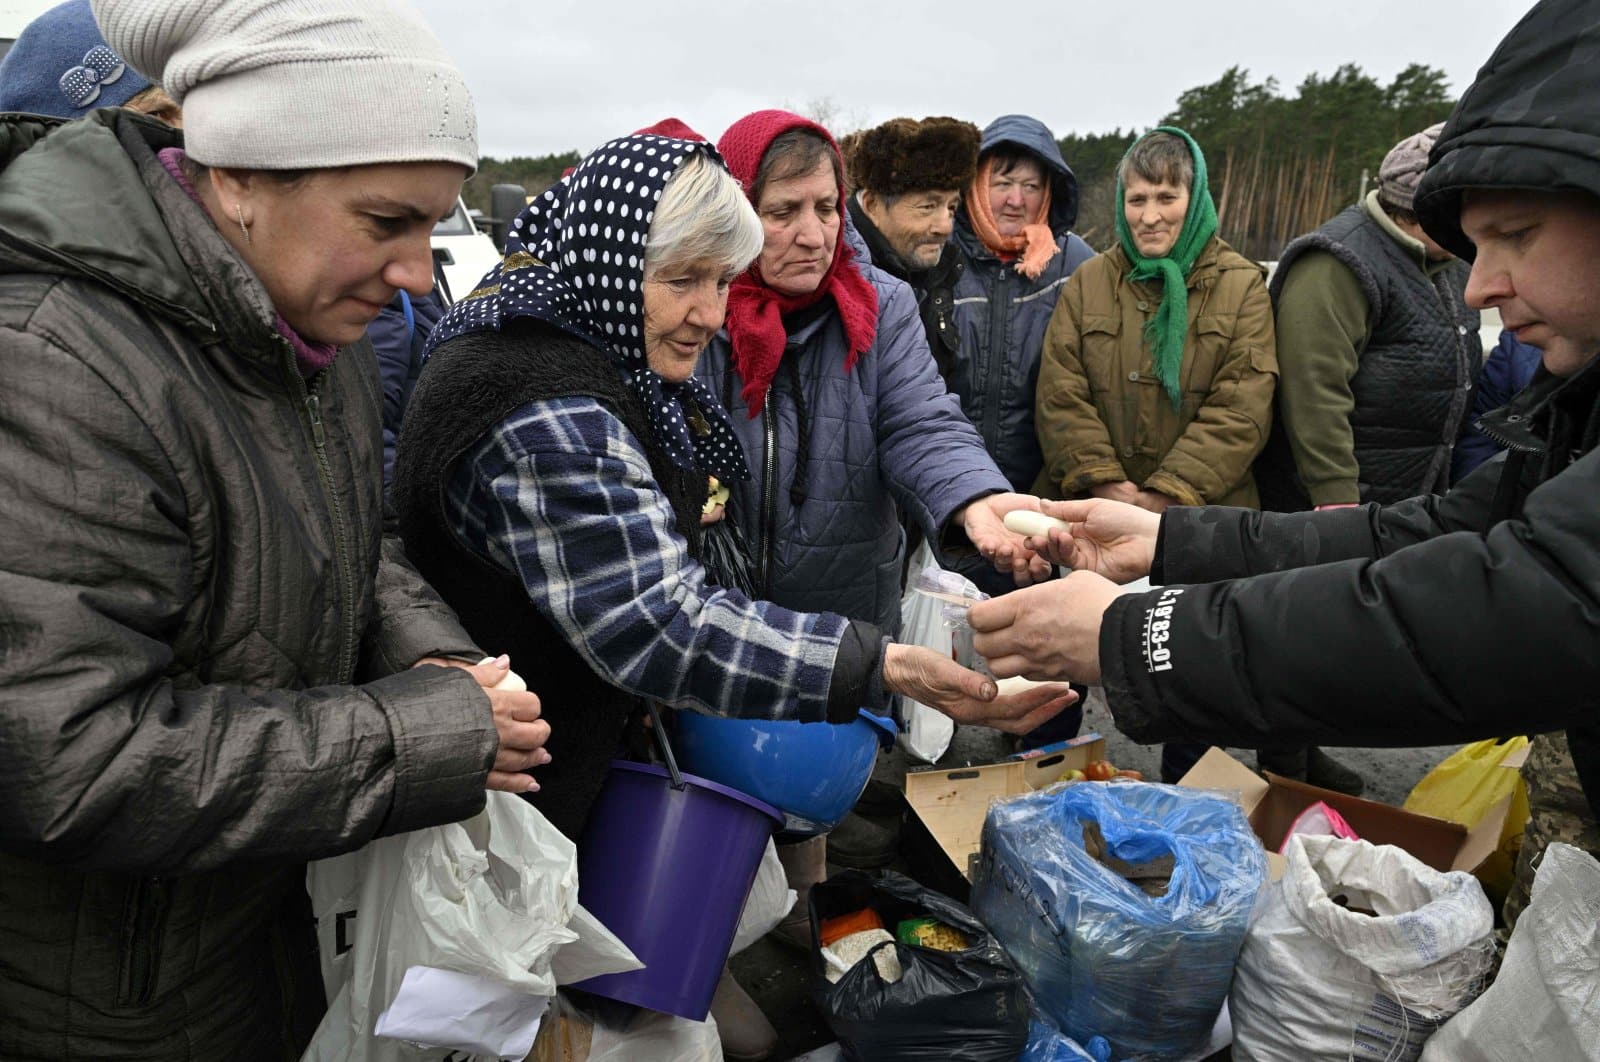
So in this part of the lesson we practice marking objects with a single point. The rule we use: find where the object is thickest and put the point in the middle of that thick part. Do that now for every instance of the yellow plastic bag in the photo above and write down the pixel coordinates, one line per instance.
(1465, 787)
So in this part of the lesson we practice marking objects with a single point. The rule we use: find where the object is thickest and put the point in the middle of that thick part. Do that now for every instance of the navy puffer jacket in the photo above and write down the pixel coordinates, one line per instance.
(885, 432)
(1001, 315)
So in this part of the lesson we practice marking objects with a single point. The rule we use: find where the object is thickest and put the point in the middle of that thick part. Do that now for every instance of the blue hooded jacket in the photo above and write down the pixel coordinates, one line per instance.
(1001, 315)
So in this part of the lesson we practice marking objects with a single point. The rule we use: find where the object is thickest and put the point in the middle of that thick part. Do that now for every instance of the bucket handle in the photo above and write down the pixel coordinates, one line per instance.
(665, 746)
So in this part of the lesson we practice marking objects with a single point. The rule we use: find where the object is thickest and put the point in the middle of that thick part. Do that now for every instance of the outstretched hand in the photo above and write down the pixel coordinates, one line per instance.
(966, 696)
(516, 711)
(1111, 539)
(1048, 632)
(984, 522)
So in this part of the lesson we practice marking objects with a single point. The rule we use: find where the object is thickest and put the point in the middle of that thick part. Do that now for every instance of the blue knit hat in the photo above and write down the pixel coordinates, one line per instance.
(62, 66)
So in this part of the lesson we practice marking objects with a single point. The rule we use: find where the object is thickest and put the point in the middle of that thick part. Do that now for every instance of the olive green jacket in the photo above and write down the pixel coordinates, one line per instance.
(1102, 415)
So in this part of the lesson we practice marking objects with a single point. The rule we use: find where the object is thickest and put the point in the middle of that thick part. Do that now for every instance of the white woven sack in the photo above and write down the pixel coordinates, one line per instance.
(1317, 980)
(1545, 1003)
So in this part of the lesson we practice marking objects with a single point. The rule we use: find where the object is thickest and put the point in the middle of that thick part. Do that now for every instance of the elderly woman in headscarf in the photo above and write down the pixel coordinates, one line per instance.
(824, 365)
(1159, 365)
(554, 466)
(207, 670)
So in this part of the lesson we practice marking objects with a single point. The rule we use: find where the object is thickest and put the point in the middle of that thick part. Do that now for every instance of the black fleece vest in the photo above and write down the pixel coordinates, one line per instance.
(1413, 388)
(469, 385)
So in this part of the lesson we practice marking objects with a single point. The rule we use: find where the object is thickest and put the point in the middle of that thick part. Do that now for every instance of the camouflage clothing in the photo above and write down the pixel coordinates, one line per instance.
(1558, 811)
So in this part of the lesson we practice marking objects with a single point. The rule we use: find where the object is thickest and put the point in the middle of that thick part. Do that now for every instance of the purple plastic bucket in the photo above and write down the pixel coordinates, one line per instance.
(668, 871)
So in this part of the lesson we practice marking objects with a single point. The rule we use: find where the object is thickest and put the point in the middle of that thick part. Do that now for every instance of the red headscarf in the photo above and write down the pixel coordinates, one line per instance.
(755, 311)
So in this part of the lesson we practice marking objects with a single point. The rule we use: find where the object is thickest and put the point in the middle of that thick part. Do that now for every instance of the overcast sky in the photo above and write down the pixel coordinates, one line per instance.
(557, 75)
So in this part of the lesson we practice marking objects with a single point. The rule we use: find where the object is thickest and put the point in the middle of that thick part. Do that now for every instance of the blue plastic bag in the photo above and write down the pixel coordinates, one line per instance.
(1101, 956)
(1046, 1043)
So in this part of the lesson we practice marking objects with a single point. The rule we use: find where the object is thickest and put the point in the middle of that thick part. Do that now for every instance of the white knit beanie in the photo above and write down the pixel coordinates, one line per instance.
(299, 84)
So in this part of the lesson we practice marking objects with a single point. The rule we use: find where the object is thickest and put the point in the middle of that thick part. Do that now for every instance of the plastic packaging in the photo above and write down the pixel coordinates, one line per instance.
(931, 933)
(1318, 820)
(769, 901)
(1465, 787)
(1123, 906)
(494, 897)
(927, 732)
(844, 953)
(1046, 1043)
(955, 593)
(845, 924)
(965, 1006)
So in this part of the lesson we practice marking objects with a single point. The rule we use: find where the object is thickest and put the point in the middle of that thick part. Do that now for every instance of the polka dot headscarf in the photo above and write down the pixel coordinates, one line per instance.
(575, 258)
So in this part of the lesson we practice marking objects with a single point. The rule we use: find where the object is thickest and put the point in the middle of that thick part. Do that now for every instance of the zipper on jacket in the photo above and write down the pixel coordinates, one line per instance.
(142, 944)
(1438, 475)
(994, 358)
(769, 498)
(1505, 441)
(312, 402)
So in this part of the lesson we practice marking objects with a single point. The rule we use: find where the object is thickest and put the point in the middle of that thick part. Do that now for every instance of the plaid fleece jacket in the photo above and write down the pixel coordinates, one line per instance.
(561, 493)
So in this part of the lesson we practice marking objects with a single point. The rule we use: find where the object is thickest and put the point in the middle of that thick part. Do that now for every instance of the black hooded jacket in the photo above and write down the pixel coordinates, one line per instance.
(1443, 618)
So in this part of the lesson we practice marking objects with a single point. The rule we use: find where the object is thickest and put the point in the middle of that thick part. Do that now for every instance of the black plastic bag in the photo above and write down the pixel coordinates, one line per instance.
(963, 1006)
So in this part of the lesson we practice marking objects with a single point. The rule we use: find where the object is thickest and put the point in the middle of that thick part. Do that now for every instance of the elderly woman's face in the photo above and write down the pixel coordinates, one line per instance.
(333, 249)
(1015, 196)
(684, 304)
(1155, 214)
(800, 222)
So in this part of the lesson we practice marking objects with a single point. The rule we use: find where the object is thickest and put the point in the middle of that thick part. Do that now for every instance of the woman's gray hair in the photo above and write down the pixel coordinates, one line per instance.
(703, 215)
(1159, 158)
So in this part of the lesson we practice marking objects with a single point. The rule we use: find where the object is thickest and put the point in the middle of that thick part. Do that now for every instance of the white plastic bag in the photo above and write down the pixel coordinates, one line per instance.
(655, 1037)
(769, 900)
(926, 733)
(494, 897)
(1546, 1001)
(570, 1035)
(1318, 979)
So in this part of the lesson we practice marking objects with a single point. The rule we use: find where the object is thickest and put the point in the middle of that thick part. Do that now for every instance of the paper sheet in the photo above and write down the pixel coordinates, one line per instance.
(442, 1008)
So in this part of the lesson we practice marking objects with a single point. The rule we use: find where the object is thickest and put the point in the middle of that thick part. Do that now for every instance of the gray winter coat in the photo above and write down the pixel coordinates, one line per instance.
(885, 432)
(194, 574)
(1001, 315)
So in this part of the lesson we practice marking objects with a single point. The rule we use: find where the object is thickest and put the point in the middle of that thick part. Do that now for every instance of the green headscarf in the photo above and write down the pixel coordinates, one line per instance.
(1165, 332)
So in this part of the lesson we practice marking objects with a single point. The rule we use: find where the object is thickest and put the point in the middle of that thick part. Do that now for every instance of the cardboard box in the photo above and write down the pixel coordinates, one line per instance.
(1274, 802)
(948, 806)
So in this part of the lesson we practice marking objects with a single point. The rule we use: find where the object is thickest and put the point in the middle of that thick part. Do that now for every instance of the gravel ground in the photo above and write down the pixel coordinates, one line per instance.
(778, 976)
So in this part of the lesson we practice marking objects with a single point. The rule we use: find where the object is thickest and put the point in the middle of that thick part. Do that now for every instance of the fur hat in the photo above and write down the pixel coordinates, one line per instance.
(904, 155)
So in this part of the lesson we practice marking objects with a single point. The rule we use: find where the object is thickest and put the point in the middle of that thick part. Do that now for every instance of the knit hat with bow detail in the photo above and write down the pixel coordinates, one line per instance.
(61, 66)
(299, 84)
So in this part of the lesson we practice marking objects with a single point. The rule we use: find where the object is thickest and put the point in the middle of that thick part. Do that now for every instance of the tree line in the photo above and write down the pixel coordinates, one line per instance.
(1280, 165)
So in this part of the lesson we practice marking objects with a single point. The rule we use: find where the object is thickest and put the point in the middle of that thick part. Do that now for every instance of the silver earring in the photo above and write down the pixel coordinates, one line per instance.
(238, 212)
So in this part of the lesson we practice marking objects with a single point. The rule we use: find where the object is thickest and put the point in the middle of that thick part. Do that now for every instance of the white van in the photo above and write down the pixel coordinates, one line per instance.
(463, 253)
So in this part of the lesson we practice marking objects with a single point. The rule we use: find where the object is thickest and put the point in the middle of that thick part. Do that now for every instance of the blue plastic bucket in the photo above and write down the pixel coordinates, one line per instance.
(668, 871)
(812, 772)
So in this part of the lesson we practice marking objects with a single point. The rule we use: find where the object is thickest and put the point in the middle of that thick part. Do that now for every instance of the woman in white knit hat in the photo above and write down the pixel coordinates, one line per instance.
(206, 640)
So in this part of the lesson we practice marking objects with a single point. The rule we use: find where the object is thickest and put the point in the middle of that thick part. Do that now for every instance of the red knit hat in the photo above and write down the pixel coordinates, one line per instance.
(755, 311)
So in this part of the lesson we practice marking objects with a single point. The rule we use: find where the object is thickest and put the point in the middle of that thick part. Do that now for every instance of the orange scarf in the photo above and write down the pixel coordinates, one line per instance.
(1036, 245)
